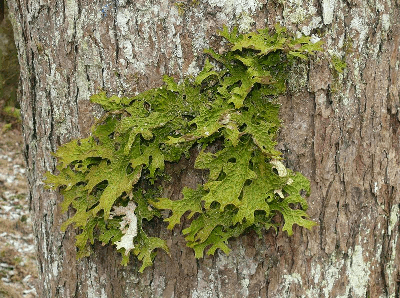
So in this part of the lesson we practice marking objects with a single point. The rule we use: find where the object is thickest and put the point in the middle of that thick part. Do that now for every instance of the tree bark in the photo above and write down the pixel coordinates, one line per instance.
(2, 10)
(340, 130)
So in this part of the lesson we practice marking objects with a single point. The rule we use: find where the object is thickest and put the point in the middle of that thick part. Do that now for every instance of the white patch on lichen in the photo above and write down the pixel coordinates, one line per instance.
(391, 268)
(205, 286)
(71, 11)
(358, 272)
(236, 6)
(178, 50)
(192, 69)
(123, 16)
(316, 272)
(44, 238)
(200, 42)
(386, 22)
(290, 279)
(93, 284)
(245, 22)
(203, 294)
(348, 97)
(247, 266)
(378, 252)
(321, 98)
(394, 217)
(311, 293)
(328, 9)
(129, 220)
(296, 12)
(293, 278)
(380, 6)
(127, 47)
(224, 260)
(81, 79)
(279, 193)
(55, 268)
(331, 274)
(245, 284)
(282, 172)
(376, 188)
(158, 285)
(315, 23)
(358, 23)
(103, 293)
(280, 167)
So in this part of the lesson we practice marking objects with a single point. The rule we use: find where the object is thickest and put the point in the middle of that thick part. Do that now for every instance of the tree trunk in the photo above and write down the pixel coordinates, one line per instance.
(340, 129)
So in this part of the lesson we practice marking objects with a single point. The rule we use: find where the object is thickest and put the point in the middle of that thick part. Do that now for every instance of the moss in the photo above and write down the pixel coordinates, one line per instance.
(181, 6)
(40, 47)
(297, 77)
(348, 45)
(338, 64)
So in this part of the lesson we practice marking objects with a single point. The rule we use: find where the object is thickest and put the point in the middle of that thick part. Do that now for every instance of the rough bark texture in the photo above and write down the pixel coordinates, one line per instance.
(342, 131)
(1, 10)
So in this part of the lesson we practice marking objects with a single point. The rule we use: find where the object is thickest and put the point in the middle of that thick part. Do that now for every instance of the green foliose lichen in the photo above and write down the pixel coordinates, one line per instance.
(111, 174)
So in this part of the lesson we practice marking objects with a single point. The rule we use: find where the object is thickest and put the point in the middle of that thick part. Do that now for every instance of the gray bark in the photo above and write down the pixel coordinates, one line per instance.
(342, 131)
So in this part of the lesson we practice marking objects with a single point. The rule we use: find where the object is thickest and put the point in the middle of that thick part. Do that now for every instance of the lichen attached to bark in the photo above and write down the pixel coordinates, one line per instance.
(232, 102)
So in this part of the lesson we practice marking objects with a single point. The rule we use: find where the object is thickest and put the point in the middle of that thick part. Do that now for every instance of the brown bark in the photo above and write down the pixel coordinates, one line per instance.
(342, 131)
(2, 10)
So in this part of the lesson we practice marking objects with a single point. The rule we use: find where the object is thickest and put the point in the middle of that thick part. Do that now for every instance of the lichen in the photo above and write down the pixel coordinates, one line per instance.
(109, 177)
(391, 265)
(358, 271)
(296, 12)
(394, 218)
(245, 22)
(358, 24)
(328, 10)
(386, 22)
(236, 6)
(128, 226)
